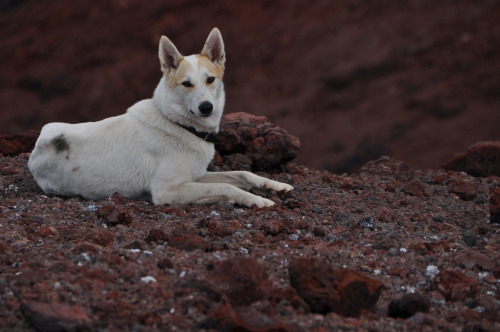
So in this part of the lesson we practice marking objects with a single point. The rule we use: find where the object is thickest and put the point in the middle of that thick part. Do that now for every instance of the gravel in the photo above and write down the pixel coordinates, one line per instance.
(118, 264)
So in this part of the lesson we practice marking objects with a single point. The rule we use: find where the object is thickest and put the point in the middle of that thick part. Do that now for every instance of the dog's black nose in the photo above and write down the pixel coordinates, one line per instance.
(206, 108)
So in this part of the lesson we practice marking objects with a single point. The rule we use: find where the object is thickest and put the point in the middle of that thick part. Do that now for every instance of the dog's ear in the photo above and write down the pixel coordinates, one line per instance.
(214, 48)
(168, 54)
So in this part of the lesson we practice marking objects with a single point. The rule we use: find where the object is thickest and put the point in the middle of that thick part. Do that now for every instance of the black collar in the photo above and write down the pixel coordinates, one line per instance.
(206, 136)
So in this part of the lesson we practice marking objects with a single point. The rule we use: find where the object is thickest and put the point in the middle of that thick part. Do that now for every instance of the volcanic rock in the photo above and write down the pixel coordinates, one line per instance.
(113, 215)
(454, 285)
(267, 145)
(325, 289)
(481, 160)
(495, 206)
(12, 145)
(242, 280)
(56, 316)
(408, 306)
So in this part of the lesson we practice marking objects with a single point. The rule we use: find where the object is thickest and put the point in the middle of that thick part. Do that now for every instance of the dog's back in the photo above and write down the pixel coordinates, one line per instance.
(88, 159)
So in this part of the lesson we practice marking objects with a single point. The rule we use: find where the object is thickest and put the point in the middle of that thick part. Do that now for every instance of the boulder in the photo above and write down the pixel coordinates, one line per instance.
(266, 145)
(481, 160)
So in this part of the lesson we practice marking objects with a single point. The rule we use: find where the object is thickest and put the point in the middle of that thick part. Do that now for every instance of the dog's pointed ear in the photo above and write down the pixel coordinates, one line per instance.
(168, 54)
(214, 48)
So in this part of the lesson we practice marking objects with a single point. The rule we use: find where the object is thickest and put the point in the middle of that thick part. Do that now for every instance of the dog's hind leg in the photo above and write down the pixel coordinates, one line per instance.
(244, 180)
(206, 193)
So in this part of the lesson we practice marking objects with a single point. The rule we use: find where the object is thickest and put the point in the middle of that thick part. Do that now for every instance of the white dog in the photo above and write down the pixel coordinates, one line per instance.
(159, 149)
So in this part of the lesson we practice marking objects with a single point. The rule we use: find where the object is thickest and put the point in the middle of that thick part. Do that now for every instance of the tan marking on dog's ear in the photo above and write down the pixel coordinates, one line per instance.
(214, 69)
(214, 48)
(169, 56)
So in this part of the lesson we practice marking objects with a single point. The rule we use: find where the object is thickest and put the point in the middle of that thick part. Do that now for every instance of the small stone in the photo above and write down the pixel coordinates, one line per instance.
(156, 235)
(415, 188)
(469, 237)
(56, 316)
(189, 242)
(83, 259)
(148, 279)
(46, 231)
(113, 215)
(408, 306)
(367, 222)
(165, 263)
(471, 259)
(466, 190)
(325, 289)
(273, 227)
(496, 272)
(4, 246)
(102, 238)
(495, 206)
(438, 218)
(455, 286)
(259, 316)
(242, 280)
(432, 271)
(319, 231)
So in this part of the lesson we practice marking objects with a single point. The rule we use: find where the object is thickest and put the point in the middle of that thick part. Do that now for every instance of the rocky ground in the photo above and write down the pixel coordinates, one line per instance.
(386, 248)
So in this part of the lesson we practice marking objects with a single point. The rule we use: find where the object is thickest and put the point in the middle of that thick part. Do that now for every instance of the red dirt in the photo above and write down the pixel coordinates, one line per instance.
(383, 249)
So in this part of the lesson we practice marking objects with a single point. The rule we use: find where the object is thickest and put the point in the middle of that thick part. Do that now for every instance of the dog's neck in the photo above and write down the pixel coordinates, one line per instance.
(210, 137)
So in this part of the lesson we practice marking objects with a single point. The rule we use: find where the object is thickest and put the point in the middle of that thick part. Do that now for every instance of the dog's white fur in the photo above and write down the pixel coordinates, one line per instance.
(145, 153)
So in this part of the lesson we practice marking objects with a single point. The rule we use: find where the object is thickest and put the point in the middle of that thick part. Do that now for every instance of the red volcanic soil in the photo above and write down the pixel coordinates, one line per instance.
(417, 80)
(384, 249)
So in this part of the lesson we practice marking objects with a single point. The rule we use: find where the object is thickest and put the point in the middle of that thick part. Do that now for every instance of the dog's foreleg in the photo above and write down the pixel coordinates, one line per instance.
(244, 180)
(206, 193)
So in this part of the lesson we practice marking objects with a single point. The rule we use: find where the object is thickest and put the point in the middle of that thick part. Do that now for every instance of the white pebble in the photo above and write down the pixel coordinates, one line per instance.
(432, 271)
(148, 279)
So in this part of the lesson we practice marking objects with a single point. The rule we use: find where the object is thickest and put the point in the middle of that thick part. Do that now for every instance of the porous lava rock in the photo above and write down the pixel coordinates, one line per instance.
(243, 280)
(115, 214)
(12, 145)
(267, 145)
(454, 285)
(408, 306)
(481, 159)
(326, 289)
(495, 206)
(258, 317)
(56, 316)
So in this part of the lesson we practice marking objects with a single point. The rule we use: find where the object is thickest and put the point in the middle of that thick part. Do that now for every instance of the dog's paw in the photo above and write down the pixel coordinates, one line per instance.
(265, 202)
(286, 187)
(260, 202)
(278, 186)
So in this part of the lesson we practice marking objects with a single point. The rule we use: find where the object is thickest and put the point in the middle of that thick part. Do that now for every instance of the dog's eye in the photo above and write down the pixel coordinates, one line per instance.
(187, 84)
(210, 80)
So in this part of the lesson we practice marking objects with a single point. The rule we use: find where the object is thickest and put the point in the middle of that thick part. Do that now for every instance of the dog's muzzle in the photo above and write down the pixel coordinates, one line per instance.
(206, 108)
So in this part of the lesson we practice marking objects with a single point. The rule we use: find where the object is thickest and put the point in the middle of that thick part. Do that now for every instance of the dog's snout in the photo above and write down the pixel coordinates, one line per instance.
(206, 108)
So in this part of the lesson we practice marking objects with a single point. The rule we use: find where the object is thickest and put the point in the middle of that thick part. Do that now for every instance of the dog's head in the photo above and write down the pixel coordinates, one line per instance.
(193, 86)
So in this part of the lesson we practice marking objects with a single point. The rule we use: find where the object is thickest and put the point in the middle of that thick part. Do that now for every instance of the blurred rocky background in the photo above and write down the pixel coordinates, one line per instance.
(418, 80)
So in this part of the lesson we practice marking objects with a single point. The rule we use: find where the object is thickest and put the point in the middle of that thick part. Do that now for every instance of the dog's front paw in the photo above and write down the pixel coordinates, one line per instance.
(278, 186)
(265, 202)
(286, 187)
(259, 201)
